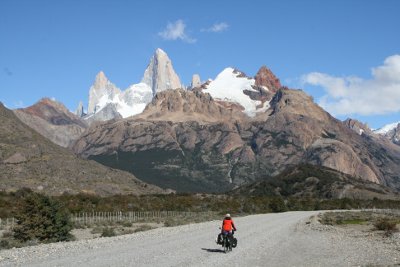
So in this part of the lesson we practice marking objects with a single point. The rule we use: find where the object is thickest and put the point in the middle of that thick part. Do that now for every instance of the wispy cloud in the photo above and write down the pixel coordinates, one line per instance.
(175, 31)
(217, 27)
(354, 95)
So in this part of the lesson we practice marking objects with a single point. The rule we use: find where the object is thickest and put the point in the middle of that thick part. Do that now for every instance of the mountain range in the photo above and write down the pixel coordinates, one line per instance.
(218, 135)
(189, 137)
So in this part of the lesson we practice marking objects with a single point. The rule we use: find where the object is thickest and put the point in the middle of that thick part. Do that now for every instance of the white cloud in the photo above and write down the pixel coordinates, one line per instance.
(217, 27)
(353, 95)
(175, 31)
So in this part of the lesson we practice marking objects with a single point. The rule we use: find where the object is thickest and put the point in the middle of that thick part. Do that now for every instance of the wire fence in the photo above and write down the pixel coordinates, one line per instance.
(87, 218)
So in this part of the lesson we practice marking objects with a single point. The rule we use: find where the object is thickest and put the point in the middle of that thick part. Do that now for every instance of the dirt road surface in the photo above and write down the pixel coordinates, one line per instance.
(280, 239)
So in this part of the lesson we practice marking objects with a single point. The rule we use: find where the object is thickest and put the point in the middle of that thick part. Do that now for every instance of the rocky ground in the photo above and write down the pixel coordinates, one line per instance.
(284, 239)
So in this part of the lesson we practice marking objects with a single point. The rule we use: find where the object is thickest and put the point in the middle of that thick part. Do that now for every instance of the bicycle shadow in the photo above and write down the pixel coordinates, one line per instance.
(215, 250)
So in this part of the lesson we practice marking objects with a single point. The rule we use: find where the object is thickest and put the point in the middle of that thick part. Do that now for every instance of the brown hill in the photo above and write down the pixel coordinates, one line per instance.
(27, 159)
(54, 121)
(181, 105)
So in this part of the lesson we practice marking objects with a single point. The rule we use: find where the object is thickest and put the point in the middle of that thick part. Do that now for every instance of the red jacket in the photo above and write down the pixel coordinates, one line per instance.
(228, 225)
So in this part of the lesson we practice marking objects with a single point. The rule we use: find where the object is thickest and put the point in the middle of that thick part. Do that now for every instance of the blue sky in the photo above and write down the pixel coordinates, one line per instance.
(341, 52)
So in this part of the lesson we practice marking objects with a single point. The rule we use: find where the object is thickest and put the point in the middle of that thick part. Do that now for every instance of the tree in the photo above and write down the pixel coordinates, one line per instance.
(43, 218)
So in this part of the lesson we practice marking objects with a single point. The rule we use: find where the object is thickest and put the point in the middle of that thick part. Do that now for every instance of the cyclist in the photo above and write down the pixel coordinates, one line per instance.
(228, 225)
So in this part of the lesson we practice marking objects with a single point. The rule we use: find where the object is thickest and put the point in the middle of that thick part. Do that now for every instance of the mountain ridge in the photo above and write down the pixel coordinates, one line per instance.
(53, 120)
(27, 159)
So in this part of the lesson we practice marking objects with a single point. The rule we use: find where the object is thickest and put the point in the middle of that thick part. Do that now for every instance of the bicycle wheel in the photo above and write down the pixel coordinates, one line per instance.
(225, 245)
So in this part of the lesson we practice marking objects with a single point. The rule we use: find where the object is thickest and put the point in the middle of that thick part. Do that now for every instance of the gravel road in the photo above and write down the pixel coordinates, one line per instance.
(283, 239)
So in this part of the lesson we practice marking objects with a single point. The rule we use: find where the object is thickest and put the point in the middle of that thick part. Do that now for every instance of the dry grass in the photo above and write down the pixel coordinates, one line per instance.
(375, 221)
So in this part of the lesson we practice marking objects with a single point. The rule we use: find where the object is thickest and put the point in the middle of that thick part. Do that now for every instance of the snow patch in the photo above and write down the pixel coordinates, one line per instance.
(130, 102)
(227, 86)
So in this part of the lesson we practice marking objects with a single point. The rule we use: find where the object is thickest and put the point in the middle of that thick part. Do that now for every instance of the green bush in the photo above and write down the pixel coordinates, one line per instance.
(96, 230)
(41, 218)
(385, 225)
(143, 227)
(108, 232)
(126, 224)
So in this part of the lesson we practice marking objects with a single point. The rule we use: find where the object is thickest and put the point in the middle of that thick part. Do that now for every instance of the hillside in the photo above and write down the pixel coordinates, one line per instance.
(317, 182)
(54, 121)
(27, 159)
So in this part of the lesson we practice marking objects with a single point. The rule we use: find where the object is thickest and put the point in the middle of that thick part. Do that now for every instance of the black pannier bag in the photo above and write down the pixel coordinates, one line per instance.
(234, 243)
(220, 238)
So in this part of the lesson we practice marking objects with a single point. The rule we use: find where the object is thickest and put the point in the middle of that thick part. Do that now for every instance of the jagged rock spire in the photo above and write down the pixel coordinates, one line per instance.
(196, 82)
(101, 88)
(265, 78)
(160, 74)
(80, 110)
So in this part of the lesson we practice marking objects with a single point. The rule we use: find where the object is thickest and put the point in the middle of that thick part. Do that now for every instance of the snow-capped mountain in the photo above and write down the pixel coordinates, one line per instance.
(391, 131)
(387, 128)
(233, 86)
(160, 74)
(107, 101)
(101, 91)
(134, 99)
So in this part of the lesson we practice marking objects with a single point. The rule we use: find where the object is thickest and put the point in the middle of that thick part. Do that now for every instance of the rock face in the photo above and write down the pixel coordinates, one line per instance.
(108, 112)
(54, 121)
(27, 159)
(160, 74)
(181, 105)
(196, 82)
(102, 91)
(266, 79)
(357, 126)
(190, 142)
(106, 101)
(80, 112)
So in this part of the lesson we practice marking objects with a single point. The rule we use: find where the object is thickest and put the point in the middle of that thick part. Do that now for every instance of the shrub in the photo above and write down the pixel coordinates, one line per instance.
(108, 232)
(4, 244)
(143, 227)
(7, 234)
(41, 218)
(171, 222)
(97, 230)
(126, 224)
(385, 225)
